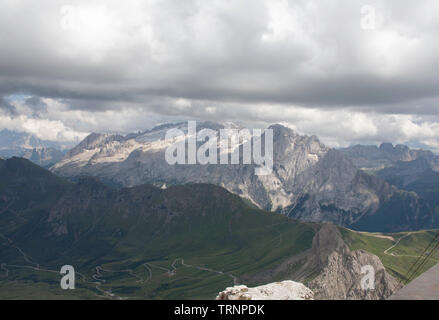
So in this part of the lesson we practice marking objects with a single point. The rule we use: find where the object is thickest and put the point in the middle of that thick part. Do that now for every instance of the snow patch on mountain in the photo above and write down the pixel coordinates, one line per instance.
(309, 181)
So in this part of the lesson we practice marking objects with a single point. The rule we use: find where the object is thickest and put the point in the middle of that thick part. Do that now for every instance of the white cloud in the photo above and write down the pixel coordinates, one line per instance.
(53, 130)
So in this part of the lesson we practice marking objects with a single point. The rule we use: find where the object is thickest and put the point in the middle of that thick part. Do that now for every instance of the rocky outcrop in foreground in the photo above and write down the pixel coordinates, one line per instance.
(285, 290)
(341, 275)
(332, 270)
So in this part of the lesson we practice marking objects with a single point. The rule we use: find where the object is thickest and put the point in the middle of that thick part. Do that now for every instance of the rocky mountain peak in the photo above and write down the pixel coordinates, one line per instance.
(386, 146)
(279, 129)
(342, 269)
(309, 181)
(95, 141)
(386, 155)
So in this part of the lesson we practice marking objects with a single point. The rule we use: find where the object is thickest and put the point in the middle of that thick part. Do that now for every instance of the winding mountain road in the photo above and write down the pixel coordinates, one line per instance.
(402, 255)
(98, 277)
(234, 278)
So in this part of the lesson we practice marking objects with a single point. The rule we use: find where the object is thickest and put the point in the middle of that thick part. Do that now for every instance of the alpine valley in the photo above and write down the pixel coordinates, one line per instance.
(135, 227)
(309, 182)
(183, 242)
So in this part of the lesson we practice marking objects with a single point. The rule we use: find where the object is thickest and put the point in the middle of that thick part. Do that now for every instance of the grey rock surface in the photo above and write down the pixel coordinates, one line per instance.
(309, 181)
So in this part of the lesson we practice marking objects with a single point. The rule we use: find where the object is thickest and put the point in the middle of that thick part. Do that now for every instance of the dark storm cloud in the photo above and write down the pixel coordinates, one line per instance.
(6, 107)
(245, 51)
(264, 60)
(37, 105)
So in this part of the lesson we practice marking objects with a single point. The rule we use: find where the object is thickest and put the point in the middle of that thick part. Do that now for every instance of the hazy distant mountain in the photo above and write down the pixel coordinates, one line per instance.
(309, 181)
(416, 171)
(20, 144)
(386, 155)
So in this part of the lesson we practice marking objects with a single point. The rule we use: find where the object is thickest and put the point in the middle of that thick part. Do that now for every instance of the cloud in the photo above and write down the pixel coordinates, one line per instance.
(121, 66)
(37, 105)
(6, 107)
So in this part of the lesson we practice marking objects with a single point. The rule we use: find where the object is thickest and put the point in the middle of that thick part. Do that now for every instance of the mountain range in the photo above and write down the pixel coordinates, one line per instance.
(134, 226)
(42, 152)
(309, 181)
(387, 155)
(181, 242)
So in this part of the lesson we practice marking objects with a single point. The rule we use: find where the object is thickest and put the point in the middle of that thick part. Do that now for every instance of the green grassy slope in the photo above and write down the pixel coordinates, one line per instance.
(397, 251)
(184, 242)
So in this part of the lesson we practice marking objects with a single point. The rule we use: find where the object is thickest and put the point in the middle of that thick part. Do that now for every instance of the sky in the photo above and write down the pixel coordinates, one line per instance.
(348, 71)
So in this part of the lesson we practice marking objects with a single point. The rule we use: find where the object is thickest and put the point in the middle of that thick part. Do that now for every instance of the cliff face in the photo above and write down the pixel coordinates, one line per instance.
(342, 272)
(309, 181)
(331, 270)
